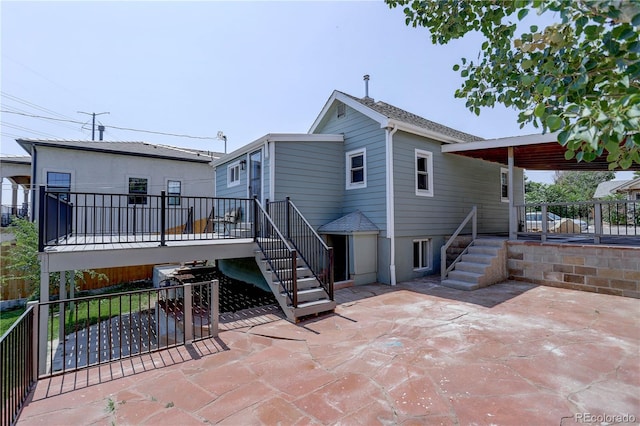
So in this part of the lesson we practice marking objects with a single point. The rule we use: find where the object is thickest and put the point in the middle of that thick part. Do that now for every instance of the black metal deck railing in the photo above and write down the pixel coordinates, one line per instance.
(312, 249)
(599, 220)
(78, 218)
(18, 374)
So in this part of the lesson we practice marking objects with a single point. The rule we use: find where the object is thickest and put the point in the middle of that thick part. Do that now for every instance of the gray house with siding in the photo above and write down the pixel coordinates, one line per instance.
(386, 164)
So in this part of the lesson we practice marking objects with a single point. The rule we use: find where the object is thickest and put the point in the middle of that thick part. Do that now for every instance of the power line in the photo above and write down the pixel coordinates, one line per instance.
(113, 127)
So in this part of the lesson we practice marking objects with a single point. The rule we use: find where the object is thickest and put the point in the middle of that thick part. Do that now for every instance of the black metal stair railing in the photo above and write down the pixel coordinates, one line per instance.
(277, 252)
(311, 248)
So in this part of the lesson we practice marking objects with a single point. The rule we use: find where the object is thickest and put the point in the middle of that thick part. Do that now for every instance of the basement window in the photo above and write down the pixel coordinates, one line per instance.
(422, 254)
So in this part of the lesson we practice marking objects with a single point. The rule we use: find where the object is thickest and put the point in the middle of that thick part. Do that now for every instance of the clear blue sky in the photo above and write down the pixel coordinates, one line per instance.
(196, 68)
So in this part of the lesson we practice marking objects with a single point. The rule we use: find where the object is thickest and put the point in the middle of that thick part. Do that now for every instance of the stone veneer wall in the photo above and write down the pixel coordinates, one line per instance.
(601, 269)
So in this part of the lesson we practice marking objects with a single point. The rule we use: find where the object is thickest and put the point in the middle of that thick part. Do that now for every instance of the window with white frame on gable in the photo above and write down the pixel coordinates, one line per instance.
(356, 172)
(138, 188)
(424, 173)
(174, 189)
(233, 174)
(59, 182)
(422, 254)
(504, 185)
(342, 110)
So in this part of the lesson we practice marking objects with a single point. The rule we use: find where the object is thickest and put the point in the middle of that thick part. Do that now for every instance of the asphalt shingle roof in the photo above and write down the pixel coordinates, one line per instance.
(130, 148)
(395, 113)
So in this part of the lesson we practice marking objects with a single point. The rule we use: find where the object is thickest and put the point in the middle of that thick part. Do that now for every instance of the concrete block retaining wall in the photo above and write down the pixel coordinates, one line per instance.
(600, 269)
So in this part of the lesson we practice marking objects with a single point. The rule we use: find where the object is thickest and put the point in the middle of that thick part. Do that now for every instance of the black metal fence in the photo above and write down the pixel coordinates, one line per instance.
(312, 249)
(78, 218)
(18, 374)
(594, 219)
(88, 331)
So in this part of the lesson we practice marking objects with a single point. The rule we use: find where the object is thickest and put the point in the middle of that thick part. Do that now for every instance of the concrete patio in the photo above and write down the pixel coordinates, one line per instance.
(417, 353)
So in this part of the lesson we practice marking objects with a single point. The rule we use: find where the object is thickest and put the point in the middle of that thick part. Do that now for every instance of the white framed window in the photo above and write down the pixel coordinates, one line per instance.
(422, 254)
(174, 190)
(233, 174)
(424, 173)
(342, 110)
(356, 172)
(504, 185)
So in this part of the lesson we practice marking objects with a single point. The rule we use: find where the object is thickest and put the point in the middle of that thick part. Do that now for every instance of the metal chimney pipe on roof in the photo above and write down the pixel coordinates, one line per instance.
(366, 85)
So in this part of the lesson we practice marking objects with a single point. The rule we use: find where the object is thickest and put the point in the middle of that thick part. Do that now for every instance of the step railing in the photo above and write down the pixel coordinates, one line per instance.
(473, 217)
(311, 248)
(274, 247)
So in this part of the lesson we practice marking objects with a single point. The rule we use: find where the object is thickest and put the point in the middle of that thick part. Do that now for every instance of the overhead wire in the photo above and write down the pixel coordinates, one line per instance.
(113, 127)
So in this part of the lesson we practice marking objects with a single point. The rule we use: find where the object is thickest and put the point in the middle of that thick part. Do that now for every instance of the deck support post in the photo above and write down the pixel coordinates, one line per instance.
(44, 313)
(214, 307)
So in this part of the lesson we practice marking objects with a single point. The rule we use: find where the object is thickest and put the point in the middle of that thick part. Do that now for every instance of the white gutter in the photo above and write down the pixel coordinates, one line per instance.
(390, 204)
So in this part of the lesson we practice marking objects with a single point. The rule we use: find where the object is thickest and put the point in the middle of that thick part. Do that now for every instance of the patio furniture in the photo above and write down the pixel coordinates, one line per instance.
(230, 218)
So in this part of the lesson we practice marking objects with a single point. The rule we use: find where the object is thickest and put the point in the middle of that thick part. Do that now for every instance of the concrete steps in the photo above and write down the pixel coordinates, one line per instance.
(483, 264)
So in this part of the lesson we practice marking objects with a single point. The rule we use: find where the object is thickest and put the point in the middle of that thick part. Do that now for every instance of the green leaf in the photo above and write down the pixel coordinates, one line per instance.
(522, 14)
(553, 122)
(539, 110)
(563, 137)
(635, 21)
(569, 154)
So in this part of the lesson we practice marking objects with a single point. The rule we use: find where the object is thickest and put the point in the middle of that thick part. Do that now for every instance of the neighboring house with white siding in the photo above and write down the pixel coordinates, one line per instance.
(386, 164)
(102, 167)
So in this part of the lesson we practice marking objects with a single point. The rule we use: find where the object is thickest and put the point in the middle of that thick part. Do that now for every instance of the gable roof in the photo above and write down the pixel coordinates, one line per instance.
(391, 116)
(355, 222)
(609, 187)
(136, 149)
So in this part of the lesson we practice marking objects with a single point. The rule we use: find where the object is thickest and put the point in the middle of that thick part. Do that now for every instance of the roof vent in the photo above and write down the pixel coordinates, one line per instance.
(366, 86)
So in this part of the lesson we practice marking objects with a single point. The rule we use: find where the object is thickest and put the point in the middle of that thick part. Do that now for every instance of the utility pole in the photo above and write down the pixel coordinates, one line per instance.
(93, 126)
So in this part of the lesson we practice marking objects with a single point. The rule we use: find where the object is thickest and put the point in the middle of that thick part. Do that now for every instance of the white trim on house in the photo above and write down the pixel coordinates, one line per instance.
(504, 172)
(391, 213)
(349, 184)
(502, 142)
(233, 174)
(385, 122)
(428, 156)
(422, 243)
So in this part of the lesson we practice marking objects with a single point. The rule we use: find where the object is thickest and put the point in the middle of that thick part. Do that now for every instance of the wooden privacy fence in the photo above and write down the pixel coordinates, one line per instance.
(18, 289)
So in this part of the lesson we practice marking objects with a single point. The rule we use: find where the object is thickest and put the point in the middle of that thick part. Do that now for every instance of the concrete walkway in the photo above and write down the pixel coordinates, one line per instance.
(414, 354)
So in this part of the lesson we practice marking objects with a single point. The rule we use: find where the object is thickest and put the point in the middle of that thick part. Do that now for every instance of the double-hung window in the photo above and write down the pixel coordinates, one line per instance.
(233, 174)
(59, 182)
(424, 173)
(356, 172)
(138, 190)
(174, 188)
(504, 185)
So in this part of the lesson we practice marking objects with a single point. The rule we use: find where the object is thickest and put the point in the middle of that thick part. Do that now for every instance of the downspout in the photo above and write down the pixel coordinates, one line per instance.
(391, 228)
(513, 225)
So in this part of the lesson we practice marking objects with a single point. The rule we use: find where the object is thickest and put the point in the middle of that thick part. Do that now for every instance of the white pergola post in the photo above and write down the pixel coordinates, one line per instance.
(513, 223)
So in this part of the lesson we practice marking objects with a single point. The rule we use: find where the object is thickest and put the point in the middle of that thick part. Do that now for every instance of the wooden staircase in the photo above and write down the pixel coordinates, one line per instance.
(311, 297)
(482, 264)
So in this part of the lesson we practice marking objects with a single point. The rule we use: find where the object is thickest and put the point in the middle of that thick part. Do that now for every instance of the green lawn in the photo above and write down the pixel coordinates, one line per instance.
(7, 318)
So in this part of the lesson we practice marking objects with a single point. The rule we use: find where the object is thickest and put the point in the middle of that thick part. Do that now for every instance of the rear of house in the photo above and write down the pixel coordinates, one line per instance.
(386, 165)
